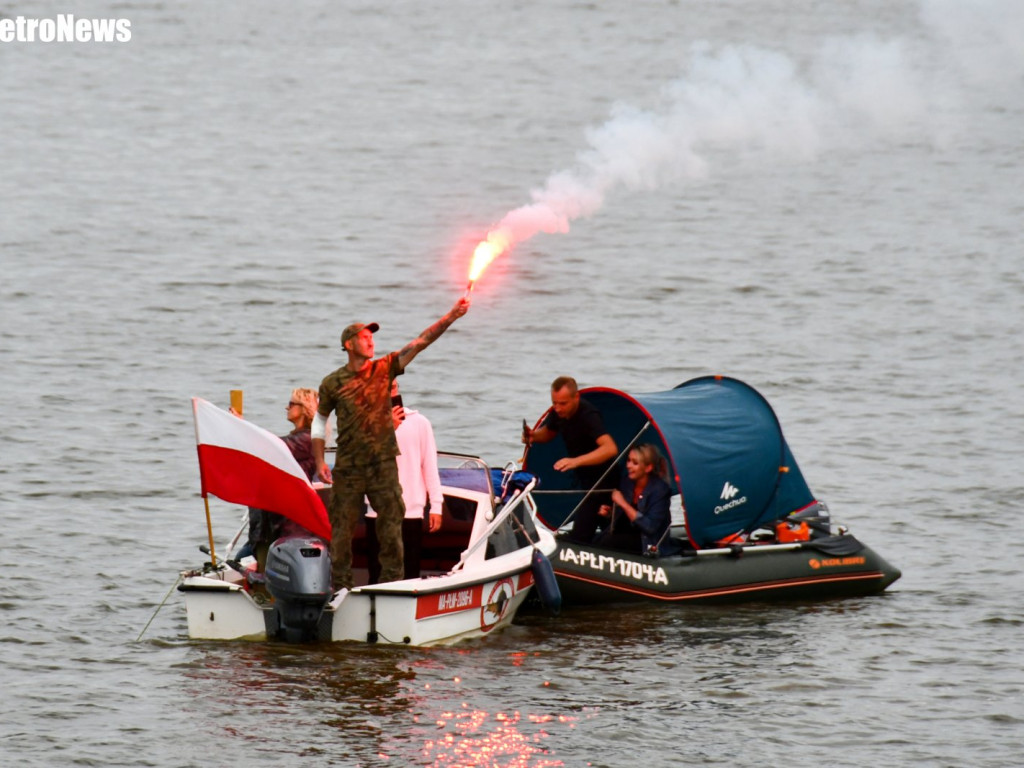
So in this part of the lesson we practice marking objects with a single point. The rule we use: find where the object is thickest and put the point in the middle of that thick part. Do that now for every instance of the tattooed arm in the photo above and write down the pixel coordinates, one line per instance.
(429, 336)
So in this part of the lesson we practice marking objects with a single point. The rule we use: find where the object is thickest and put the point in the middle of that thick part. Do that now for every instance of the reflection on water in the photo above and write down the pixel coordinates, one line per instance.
(520, 697)
(449, 731)
(475, 737)
(375, 705)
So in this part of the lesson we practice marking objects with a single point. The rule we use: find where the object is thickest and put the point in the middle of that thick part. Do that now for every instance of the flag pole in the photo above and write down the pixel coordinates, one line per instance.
(236, 398)
(209, 530)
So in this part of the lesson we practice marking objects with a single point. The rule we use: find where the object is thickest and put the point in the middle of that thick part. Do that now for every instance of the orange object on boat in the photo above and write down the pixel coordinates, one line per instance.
(733, 538)
(789, 532)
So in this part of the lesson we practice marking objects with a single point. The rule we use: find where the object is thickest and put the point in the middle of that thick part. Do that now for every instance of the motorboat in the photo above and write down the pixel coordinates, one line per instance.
(476, 570)
(745, 523)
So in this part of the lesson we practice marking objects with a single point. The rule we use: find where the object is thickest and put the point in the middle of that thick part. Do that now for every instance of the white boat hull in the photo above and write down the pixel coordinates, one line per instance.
(428, 611)
(478, 595)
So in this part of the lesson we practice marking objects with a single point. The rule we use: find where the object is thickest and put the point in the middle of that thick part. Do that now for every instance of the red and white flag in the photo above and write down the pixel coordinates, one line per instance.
(245, 464)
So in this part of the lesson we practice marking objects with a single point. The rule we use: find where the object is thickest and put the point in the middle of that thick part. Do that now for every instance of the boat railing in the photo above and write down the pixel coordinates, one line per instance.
(747, 549)
(518, 498)
(469, 473)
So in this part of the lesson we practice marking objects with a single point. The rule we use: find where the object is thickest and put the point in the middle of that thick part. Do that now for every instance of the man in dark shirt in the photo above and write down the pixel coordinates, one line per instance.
(590, 449)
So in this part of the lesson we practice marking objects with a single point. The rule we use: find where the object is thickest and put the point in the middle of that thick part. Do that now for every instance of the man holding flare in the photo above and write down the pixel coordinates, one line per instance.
(360, 393)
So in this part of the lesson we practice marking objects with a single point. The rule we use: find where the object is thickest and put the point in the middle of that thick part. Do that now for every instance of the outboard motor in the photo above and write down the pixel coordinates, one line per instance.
(817, 518)
(298, 574)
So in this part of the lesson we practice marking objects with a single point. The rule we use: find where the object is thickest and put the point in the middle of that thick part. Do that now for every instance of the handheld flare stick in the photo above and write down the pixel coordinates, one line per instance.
(485, 252)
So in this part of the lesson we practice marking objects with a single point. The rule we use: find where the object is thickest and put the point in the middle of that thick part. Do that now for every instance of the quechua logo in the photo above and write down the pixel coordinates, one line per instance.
(729, 493)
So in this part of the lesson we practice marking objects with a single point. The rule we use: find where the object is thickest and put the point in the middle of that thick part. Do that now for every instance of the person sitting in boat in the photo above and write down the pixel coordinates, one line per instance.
(264, 526)
(421, 482)
(591, 451)
(640, 506)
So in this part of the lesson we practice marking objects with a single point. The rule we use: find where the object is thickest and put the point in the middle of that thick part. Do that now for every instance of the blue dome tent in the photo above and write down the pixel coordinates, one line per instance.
(728, 459)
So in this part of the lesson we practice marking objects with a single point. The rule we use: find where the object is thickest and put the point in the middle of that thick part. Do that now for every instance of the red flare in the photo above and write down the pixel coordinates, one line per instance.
(486, 252)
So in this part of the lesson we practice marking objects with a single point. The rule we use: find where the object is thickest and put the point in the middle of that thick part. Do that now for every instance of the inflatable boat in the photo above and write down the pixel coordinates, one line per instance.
(746, 525)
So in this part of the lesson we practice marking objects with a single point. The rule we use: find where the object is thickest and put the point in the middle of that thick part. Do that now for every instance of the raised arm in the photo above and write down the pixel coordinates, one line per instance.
(431, 334)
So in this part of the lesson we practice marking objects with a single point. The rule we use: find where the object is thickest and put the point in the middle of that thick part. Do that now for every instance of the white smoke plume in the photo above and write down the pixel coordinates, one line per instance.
(743, 101)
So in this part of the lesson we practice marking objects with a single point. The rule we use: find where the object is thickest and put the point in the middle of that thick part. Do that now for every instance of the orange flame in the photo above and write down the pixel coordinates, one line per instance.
(486, 252)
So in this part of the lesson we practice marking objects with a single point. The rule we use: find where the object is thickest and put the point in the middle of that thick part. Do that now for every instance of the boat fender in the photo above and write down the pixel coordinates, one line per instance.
(547, 585)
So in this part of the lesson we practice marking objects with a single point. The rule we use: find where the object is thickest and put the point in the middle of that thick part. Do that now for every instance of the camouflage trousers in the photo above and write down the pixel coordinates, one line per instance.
(379, 483)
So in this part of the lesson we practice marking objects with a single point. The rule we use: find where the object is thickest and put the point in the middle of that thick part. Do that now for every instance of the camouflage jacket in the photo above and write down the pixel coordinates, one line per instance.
(362, 401)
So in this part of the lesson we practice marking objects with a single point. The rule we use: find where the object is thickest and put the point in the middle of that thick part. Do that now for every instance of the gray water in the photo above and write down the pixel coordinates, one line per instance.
(833, 218)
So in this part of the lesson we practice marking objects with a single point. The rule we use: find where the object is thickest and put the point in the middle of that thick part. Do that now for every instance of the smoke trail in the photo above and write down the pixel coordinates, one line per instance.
(983, 38)
(743, 102)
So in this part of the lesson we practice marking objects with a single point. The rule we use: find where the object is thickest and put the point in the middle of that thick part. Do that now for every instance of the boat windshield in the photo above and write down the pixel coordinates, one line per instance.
(467, 472)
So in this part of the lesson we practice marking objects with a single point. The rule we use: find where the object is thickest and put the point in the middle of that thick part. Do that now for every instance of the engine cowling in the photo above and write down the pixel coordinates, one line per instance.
(298, 576)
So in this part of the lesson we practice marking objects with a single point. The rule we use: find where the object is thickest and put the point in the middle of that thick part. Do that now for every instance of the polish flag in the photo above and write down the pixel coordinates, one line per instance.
(245, 464)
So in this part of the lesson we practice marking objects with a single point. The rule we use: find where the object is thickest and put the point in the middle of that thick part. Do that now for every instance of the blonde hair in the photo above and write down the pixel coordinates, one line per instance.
(309, 399)
(650, 456)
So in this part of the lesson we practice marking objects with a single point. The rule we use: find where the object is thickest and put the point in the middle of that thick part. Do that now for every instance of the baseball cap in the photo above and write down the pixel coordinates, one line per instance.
(355, 328)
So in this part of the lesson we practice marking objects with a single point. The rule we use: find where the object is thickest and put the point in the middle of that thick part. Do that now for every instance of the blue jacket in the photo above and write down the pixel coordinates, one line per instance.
(653, 516)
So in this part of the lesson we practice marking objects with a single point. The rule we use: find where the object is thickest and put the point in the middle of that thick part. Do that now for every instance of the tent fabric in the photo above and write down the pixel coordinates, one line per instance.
(728, 459)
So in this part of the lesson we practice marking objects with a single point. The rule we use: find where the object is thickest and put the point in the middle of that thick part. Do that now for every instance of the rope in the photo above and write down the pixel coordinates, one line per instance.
(162, 603)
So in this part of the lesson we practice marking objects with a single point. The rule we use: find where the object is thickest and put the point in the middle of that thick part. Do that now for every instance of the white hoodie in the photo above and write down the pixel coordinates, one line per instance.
(417, 466)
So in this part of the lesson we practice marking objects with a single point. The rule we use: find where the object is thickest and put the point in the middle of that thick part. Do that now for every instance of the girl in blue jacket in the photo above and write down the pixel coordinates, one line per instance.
(641, 505)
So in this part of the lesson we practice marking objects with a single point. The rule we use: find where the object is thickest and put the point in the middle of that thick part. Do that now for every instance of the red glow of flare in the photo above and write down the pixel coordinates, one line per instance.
(486, 252)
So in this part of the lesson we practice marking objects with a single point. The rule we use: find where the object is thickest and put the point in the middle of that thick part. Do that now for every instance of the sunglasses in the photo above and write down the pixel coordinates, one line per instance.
(293, 404)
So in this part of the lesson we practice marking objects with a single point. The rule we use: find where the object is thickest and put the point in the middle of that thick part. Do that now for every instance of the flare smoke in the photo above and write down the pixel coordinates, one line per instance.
(742, 103)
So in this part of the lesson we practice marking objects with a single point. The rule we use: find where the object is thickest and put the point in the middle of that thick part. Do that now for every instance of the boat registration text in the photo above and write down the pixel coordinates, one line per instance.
(448, 602)
(609, 564)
